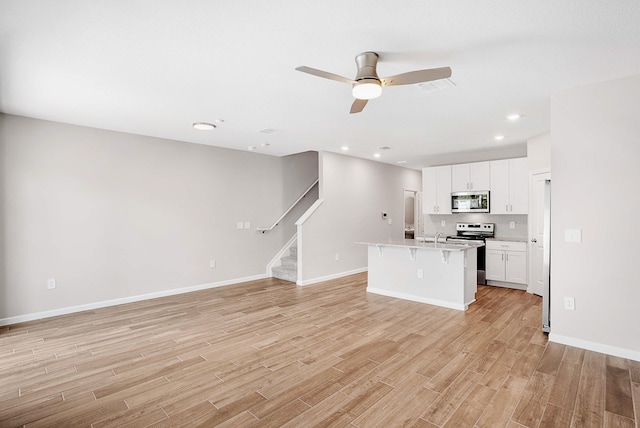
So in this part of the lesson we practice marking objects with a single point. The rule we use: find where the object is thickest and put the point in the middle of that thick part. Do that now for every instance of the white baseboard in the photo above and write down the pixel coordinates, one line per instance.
(330, 277)
(512, 285)
(419, 299)
(123, 300)
(596, 347)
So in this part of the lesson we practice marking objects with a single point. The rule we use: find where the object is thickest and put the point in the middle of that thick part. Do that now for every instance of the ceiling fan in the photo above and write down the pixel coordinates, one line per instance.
(367, 85)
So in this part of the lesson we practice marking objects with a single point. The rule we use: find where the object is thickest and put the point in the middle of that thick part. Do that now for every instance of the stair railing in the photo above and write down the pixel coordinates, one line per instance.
(267, 229)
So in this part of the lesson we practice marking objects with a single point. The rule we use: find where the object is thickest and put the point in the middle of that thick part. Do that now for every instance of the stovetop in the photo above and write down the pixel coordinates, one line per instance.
(473, 231)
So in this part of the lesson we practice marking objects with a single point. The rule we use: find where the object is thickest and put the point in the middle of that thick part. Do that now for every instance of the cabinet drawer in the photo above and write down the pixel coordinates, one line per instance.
(506, 245)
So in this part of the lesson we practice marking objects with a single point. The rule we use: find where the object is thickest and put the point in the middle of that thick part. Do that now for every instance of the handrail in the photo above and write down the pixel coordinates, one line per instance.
(266, 229)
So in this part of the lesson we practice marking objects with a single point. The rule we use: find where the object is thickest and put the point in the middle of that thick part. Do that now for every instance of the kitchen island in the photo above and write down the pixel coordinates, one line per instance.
(437, 273)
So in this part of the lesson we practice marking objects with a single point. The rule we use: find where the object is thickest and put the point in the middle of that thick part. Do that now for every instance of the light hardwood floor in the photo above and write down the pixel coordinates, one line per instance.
(267, 353)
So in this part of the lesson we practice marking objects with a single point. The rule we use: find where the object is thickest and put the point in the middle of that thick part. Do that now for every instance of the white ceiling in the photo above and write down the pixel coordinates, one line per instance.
(154, 67)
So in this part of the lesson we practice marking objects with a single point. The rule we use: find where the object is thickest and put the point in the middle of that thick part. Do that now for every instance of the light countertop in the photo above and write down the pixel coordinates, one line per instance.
(508, 239)
(412, 243)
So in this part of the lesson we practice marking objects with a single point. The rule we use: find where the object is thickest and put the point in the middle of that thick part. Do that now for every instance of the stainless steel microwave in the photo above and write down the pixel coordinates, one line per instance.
(470, 202)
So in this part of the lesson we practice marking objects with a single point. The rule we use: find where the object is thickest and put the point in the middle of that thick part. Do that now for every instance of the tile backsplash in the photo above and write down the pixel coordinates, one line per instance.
(432, 224)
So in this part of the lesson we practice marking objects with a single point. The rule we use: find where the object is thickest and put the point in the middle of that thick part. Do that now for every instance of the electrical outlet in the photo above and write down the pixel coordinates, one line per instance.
(212, 263)
(443, 223)
(570, 303)
(247, 225)
(420, 273)
(239, 225)
(337, 257)
(512, 224)
(51, 283)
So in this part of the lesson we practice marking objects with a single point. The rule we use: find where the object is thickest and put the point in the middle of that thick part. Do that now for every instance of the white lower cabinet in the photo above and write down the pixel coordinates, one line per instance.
(506, 261)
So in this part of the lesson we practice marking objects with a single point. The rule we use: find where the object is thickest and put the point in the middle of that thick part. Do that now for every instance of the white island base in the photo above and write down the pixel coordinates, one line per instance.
(438, 274)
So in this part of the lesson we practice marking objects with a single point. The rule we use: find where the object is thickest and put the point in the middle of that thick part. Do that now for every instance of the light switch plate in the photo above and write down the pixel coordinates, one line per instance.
(570, 303)
(573, 235)
(239, 225)
(247, 225)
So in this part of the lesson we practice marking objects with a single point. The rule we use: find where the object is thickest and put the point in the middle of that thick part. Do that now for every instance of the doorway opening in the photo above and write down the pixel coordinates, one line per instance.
(413, 224)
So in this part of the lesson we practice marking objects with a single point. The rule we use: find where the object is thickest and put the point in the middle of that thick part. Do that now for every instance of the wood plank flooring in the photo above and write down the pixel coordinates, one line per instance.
(268, 354)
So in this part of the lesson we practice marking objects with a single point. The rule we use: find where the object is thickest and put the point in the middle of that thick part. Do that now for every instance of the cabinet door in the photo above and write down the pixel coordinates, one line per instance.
(480, 175)
(444, 189)
(499, 196)
(494, 265)
(519, 186)
(460, 178)
(516, 267)
(429, 190)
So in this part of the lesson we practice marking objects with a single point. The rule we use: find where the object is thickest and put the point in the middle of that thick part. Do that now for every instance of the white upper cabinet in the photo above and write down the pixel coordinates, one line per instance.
(436, 190)
(471, 176)
(509, 186)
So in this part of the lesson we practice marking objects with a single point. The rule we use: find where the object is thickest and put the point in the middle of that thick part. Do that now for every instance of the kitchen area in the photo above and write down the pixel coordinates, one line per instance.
(479, 210)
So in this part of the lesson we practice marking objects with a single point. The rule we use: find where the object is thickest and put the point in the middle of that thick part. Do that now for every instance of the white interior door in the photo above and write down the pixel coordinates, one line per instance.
(536, 232)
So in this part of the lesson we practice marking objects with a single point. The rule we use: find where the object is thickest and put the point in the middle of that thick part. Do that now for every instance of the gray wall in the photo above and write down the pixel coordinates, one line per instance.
(355, 193)
(112, 215)
(595, 149)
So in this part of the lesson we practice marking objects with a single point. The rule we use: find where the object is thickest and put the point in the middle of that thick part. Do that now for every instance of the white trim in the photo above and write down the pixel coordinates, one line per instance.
(275, 261)
(123, 300)
(596, 347)
(309, 212)
(330, 277)
(530, 232)
(414, 298)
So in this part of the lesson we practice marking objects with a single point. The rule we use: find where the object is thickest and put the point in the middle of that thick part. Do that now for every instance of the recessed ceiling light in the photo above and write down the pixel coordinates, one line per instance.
(251, 148)
(264, 144)
(514, 116)
(344, 148)
(376, 155)
(204, 126)
(499, 137)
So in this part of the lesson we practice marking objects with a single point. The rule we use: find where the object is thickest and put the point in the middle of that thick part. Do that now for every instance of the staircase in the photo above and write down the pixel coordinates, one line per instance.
(288, 269)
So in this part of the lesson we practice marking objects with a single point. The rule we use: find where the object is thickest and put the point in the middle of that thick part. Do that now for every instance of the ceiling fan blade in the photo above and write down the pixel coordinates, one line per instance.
(324, 74)
(417, 76)
(357, 106)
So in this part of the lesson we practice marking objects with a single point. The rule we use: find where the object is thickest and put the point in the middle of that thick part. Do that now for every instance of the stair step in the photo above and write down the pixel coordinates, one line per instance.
(289, 261)
(288, 273)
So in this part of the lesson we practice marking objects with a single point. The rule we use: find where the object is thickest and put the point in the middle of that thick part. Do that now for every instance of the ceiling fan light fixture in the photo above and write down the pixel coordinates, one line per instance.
(367, 89)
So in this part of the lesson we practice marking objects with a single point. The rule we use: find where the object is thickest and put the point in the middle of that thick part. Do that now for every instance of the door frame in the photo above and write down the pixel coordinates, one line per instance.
(533, 175)
(417, 212)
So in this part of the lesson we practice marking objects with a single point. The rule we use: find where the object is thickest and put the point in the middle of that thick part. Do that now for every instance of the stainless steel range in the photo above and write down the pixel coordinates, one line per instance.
(475, 232)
